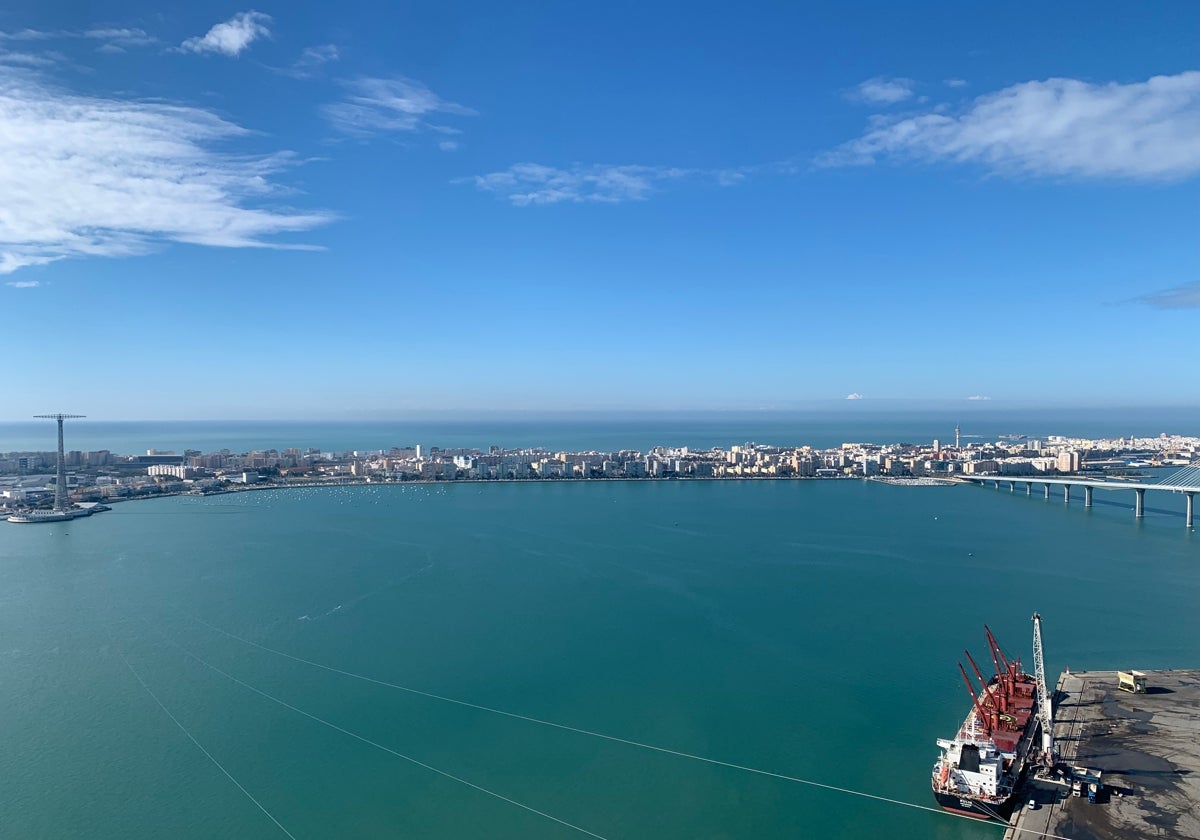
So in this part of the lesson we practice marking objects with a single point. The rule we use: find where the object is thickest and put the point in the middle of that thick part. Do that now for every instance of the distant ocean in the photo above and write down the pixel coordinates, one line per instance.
(604, 432)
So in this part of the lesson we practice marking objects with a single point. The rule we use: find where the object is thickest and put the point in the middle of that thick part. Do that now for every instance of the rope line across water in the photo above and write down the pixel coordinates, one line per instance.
(375, 744)
(199, 746)
(614, 738)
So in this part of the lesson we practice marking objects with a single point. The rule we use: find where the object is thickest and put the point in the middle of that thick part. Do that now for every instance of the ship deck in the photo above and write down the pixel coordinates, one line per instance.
(1147, 748)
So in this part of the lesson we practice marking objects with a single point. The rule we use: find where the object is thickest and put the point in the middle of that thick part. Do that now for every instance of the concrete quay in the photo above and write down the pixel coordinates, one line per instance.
(1146, 745)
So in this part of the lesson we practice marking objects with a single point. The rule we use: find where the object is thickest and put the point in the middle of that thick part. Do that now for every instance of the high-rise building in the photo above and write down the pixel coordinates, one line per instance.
(1068, 461)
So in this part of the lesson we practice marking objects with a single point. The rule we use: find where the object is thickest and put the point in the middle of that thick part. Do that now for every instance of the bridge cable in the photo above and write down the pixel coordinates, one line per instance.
(375, 744)
(1182, 477)
(601, 735)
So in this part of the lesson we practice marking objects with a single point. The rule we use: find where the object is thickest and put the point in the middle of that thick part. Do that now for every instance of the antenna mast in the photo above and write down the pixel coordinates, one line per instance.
(1045, 710)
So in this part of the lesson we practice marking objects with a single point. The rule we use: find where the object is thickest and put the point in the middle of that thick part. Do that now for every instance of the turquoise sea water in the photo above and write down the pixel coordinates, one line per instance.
(806, 628)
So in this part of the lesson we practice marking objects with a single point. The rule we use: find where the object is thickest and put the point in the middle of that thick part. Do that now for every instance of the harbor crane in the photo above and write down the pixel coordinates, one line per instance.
(1045, 710)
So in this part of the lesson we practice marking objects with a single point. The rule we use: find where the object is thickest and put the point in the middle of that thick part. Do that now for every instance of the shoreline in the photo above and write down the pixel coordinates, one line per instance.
(420, 482)
(309, 485)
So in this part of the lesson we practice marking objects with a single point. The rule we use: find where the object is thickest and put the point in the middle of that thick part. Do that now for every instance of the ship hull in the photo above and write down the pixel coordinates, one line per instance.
(49, 516)
(968, 807)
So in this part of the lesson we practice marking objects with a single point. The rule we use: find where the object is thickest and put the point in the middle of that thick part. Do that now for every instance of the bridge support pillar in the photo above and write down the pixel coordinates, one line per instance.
(1047, 488)
(1087, 495)
(996, 485)
(1066, 493)
(1012, 487)
(1191, 508)
(1139, 507)
(1028, 488)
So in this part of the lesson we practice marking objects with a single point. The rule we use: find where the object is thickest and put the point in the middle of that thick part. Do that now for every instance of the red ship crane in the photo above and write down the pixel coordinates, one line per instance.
(996, 651)
(1005, 673)
(978, 676)
(999, 698)
(984, 717)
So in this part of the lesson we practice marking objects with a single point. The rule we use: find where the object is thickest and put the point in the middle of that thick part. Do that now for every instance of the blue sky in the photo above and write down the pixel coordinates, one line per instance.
(303, 211)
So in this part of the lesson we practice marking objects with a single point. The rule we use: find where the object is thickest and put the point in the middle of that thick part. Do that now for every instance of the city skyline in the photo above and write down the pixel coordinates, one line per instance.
(279, 212)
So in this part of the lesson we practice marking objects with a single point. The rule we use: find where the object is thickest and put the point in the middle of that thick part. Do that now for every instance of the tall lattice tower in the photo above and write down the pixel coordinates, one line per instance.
(60, 484)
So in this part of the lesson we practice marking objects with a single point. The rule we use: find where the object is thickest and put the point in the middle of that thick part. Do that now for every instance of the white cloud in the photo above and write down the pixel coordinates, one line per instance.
(1185, 296)
(532, 183)
(22, 284)
(883, 91)
(1060, 127)
(979, 397)
(312, 60)
(854, 396)
(92, 176)
(448, 145)
(524, 184)
(399, 104)
(233, 36)
(25, 59)
(118, 39)
(956, 83)
(29, 35)
(115, 41)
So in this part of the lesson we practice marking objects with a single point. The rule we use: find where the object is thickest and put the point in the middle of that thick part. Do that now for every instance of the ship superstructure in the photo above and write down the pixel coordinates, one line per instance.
(979, 768)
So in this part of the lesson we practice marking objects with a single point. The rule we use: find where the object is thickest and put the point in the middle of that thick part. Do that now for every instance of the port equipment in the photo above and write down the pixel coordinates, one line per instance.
(1131, 681)
(1045, 710)
(987, 721)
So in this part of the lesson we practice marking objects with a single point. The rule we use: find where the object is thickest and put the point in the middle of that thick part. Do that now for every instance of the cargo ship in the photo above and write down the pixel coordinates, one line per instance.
(979, 768)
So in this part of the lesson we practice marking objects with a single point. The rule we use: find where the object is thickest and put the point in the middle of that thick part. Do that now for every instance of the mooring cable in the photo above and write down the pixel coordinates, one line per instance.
(375, 744)
(199, 746)
(614, 738)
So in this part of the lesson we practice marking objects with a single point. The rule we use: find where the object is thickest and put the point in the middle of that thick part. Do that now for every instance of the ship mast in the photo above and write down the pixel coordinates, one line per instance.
(1045, 711)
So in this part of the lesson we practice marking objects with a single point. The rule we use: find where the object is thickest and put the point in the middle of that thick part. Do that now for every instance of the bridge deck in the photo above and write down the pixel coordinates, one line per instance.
(1086, 482)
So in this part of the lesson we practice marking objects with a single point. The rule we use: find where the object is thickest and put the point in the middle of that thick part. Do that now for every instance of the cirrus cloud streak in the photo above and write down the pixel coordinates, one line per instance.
(525, 184)
(1146, 131)
(532, 183)
(1183, 296)
(94, 176)
(381, 105)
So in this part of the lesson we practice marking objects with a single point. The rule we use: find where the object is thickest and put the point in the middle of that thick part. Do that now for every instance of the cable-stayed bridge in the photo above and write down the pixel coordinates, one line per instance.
(1185, 481)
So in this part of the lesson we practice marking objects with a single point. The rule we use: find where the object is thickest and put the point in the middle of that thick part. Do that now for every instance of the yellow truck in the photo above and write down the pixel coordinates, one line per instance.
(1131, 681)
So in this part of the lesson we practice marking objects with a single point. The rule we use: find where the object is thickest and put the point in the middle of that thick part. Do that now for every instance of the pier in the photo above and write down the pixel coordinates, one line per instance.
(1089, 485)
(1145, 747)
